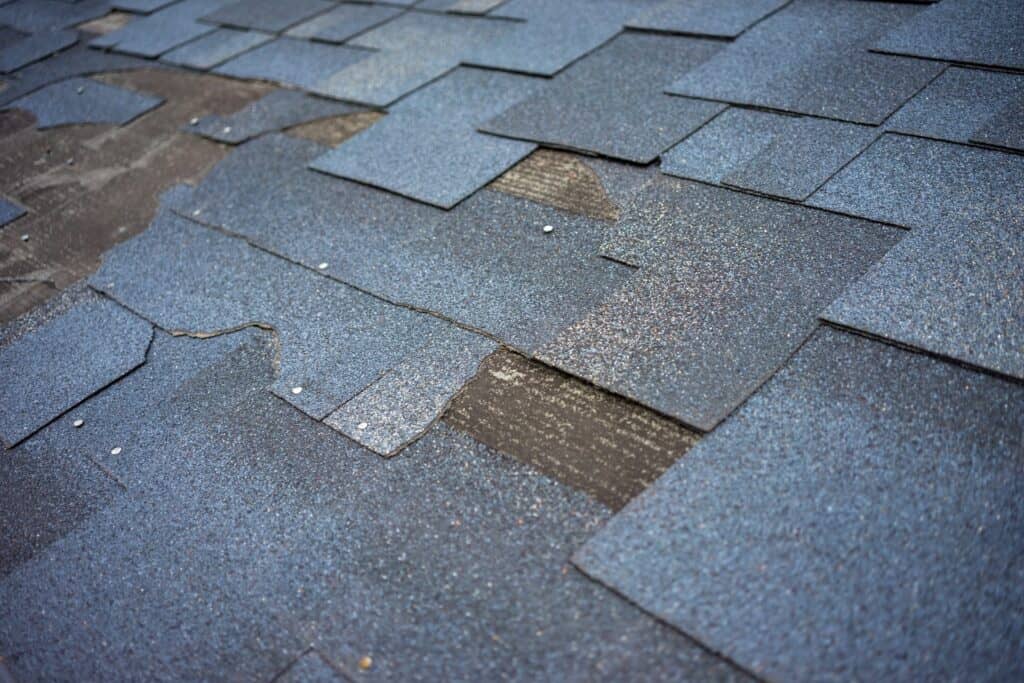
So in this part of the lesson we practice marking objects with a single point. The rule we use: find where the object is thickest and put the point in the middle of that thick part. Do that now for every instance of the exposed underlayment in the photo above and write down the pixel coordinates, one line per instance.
(428, 340)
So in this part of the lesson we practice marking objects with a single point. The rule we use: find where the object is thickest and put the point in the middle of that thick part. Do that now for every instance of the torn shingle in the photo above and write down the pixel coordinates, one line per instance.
(427, 148)
(55, 367)
(611, 101)
(953, 287)
(957, 104)
(343, 22)
(83, 100)
(215, 48)
(164, 30)
(730, 285)
(719, 18)
(577, 434)
(838, 524)
(986, 33)
(33, 48)
(334, 340)
(9, 211)
(270, 16)
(811, 58)
(275, 111)
(405, 402)
(487, 263)
(772, 154)
(293, 62)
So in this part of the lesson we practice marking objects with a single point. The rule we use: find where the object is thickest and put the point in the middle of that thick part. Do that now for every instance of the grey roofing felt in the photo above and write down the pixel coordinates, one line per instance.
(553, 35)
(164, 30)
(811, 58)
(611, 101)
(343, 22)
(292, 62)
(986, 33)
(453, 559)
(859, 518)
(83, 100)
(487, 263)
(37, 16)
(33, 48)
(772, 154)
(954, 286)
(720, 18)
(9, 211)
(267, 15)
(405, 402)
(215, 48)
(55, 367)
(334, 340)
(274, 111)
(730, 286)
(427, 148)
(960, 104)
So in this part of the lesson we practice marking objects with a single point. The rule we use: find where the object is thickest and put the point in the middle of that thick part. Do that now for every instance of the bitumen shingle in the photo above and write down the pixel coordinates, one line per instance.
(141, 6)
(986, 33)
(858, 518)
(274, 111)
(811, 57)
(298, 63)
(40, 16)
(30, 49)
(611, 101)
(215, 48)
(164, 30)
(269, 16)
(9, 211)
(718, 18)
(343, 22)
(729, 287)
(83, 100)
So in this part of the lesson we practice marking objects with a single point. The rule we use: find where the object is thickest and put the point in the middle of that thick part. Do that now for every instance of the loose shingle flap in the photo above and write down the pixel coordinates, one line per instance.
(811, 57)
(954, 288)
(729, 286)
(986, 33)
(83, 100)
(487, 264)
(55, 367)
(273, 112)
(611, 102)
(334, 340)
(858, 518)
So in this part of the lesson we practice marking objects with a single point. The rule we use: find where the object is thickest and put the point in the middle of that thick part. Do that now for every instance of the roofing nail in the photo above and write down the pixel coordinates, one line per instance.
(548, 228)
(362, 425)
(194, 121)
(80, 90)
(71, 162)
(24, 238)
(116, 451)
(78, 423)
(197, 212)
(227, 129)
(296, 390)
(322, 266)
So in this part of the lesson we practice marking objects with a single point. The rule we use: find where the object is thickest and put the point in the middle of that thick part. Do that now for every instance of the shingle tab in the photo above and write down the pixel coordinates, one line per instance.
(38, 16)
(271, 16)
(427, 148)
(953, 287)
(33, 48)
(836, 527)
(215, 48)
(730, 285)
(487, 263)
(334, 340)
(719, 18)
(811, 58)
(344, 22)
(83, 100)
(141, 6)
(986, 33)
(293, 62)
(55, 367)
(771, 154)
(1005, 129)
(611, 101)
(164, 30)
(274, 111)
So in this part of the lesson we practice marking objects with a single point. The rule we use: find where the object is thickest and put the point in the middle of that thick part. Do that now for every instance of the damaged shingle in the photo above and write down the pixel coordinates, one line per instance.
(403, 404)
(954, 286)
(811, 58)
(427, 148)
(611, 102)
(215, 48)
(836, 527)
(334, 340)
(773, 154)
(730, 285)
(58, 365)
(83, 100)
(273, 112)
